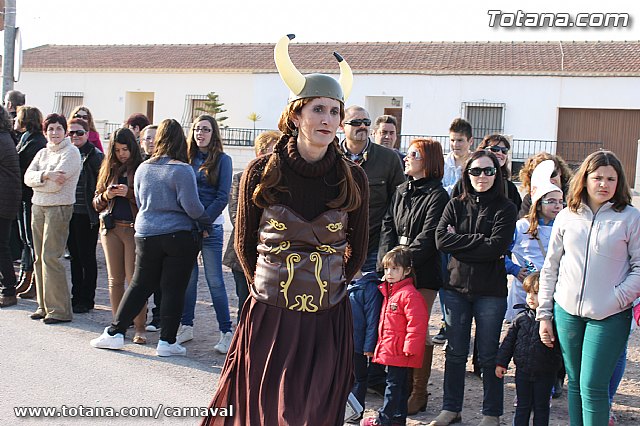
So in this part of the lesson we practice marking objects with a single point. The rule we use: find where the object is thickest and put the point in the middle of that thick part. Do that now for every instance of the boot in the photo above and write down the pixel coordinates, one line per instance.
(419, 396)
(24, 280)
(490, 421)
(446, 418)
(30, 293)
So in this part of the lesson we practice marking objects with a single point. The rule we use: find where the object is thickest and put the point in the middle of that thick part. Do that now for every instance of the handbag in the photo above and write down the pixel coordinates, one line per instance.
(107, 220)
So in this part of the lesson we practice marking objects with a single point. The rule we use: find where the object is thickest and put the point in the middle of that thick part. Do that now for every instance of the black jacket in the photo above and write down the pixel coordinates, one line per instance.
(523, 344)
(484, 224)
(91, 161)
(10, 187)
(414, 212)
(29, 145)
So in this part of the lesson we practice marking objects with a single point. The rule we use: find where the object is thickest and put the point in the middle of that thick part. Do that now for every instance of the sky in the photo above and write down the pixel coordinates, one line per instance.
(265, 21)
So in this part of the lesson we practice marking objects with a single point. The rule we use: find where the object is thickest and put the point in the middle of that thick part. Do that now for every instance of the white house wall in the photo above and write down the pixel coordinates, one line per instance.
(429, 102)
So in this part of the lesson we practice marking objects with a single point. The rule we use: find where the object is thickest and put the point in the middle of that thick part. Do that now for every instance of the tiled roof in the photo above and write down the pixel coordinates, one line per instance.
(611, 58)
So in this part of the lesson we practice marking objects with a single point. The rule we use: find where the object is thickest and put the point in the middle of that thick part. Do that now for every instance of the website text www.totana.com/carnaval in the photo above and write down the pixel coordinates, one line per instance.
(148, 412)
(521, 19)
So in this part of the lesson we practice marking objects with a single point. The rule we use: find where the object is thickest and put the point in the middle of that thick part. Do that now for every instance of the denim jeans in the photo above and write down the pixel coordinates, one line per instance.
(590, 349)
(488, 313)
(212, 259)
(394, 406)
(533, 393)
(360, 364)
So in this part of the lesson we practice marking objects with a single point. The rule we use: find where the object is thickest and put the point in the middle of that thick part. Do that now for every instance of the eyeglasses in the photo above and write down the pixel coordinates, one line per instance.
(76, 132)
(496, 149)
(202, 129)
(359, 122)
(414, 154)
(553, 201)
(477, 171)
(78, 115)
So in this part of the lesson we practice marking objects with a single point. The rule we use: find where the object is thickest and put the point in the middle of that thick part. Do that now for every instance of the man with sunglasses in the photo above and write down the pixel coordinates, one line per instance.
(83, 228)
(384, 172)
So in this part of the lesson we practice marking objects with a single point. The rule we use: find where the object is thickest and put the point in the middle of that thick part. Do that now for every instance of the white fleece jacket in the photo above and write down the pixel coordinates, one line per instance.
(62, 157)
(592, 268)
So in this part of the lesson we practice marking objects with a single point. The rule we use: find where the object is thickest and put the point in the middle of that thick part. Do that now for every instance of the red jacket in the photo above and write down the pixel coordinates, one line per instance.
(404, 321)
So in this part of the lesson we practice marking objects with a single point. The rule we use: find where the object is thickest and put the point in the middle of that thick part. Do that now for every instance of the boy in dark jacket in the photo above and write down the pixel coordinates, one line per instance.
(536, 364)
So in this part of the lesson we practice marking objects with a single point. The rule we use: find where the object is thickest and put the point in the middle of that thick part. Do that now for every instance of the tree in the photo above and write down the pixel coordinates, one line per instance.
(213, 106)
(254, 117)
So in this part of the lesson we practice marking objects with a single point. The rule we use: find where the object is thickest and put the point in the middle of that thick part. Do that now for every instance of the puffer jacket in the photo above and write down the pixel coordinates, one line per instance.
(523, 344)
(366, 301)
(592, 268)
(403, 325)
(414, 213)
(484, 224)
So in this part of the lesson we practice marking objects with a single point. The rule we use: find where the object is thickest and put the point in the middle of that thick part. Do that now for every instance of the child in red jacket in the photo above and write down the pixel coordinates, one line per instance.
(402, 333)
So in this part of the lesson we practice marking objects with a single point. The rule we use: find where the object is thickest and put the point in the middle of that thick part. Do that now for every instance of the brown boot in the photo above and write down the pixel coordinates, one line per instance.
(418, 399)
(25, 281)
(31, 291)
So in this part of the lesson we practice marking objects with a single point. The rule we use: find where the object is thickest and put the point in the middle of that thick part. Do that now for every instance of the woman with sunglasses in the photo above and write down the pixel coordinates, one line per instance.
(115, 194)
(83, 228)
(213, 169)
(500, 146)
(476, 229)
(414, 213)
(589, 279)
(83, 113)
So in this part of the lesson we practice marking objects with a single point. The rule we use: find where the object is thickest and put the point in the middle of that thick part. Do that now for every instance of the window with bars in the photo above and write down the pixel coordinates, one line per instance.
(191, 105)
(485, 118)
(65, 102)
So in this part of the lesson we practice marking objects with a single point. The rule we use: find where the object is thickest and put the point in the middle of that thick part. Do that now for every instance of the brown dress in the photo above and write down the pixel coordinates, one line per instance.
(290, 361)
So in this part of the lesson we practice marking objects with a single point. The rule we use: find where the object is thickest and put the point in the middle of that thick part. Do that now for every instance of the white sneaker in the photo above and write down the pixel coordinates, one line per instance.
(166, 349)
(224, 343)
(106, 341)
(185, 333)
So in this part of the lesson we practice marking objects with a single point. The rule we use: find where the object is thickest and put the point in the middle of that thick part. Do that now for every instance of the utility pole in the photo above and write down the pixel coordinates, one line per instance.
(9, 45)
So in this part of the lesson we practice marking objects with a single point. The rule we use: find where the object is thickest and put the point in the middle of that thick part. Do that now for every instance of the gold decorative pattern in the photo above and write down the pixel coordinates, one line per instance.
(304, 303)
(278, 225)
(284, 245)
(334, 227)
(293, 257)
(317, 259)
(326, 249)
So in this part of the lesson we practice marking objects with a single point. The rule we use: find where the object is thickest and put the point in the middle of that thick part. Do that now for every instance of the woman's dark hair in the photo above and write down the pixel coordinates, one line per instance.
(498, 183)
(211, 165)
(6, 121)
(54, 118)
(432, 157)
(111, 167)
(29, 118)
(578, 190)
(492, 140)
(170, 141)
(137, 119)
(266, 193)
(80, 122)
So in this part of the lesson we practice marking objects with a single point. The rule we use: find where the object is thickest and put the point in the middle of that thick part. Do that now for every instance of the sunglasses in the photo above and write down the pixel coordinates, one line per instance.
(496, 149)
(76, 132)
(477, 171)
(78, 115)
(202, 129)
(414, 154)
(359, 122)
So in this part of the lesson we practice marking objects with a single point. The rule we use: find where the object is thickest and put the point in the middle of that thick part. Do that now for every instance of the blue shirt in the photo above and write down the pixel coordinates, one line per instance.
(214, 199)
(167, 197)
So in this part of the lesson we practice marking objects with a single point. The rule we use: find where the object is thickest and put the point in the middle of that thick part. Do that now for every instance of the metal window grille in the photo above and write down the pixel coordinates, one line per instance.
(485, 118)
(191, 102)
(65, 102)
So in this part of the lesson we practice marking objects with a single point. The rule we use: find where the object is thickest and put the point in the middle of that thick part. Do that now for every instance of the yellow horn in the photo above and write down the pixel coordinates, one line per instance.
(293, 78)
(346, 76)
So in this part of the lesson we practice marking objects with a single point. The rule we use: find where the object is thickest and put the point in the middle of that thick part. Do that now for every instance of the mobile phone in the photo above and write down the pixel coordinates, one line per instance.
(113, 186)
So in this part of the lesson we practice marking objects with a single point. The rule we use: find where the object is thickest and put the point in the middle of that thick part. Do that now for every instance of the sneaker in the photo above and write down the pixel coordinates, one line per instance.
(153, 326)
(370, 421)
(441, 337)
(224, 343)
(185, 333)
(107, 341)
(166, 349)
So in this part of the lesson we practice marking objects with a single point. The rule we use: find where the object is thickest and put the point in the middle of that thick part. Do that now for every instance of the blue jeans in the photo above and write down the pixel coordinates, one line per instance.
(533, 393)
(212, 259)
(488, 313)
(394, 407)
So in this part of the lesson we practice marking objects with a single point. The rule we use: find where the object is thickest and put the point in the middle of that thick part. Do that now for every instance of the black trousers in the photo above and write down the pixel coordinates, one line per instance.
(165, 262)
(8, 283)
(81, 243)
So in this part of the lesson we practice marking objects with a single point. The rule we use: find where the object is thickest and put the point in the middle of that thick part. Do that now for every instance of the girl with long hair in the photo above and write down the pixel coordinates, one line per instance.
(83, 113)
(115, 195)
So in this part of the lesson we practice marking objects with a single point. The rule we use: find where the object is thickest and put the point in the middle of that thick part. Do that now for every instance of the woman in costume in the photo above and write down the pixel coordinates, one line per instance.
(301, 236)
